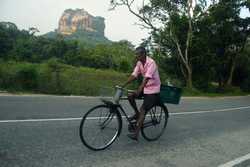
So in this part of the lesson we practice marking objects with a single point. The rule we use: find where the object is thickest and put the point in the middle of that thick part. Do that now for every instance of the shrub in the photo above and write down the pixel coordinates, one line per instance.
(26, 78)
(7, 75)
(50, 76)
(124, 66)
(245, 85)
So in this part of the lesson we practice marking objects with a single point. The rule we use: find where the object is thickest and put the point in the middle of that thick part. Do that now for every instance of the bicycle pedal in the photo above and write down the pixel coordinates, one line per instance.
(131, 127)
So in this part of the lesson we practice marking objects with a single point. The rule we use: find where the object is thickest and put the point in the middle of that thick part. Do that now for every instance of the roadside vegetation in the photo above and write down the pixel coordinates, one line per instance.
(203, 48)
(54, 77)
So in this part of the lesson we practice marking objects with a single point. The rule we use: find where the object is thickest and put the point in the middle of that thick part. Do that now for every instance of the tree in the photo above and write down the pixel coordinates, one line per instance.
(33, 30)
(229, 34)
(168, 15)
(8, 35)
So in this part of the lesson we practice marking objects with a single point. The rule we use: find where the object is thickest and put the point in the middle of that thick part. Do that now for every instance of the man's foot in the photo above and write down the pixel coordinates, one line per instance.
(134, 117)
(132, 127)
(133, 136)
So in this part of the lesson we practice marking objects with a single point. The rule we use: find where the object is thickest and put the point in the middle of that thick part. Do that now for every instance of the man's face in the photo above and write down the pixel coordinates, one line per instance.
(140, 57)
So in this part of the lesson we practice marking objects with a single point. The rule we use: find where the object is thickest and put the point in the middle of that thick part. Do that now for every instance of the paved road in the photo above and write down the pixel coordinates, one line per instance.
(203, 138)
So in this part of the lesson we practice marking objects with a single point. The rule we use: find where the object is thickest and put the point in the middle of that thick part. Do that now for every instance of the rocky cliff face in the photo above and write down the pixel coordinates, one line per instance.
(72, 21)
(79, 25)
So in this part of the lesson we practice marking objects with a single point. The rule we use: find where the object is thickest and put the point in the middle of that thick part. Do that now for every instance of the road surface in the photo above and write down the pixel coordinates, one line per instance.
(42, 131)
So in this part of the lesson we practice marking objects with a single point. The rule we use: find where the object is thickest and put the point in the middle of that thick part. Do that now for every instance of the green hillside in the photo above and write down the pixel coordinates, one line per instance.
(89, 38)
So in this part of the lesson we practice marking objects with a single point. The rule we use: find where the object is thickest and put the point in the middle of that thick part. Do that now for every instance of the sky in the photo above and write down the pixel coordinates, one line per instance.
(45, 14)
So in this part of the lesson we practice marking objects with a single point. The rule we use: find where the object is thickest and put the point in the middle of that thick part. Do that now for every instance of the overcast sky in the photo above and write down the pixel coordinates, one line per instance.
(45, 14)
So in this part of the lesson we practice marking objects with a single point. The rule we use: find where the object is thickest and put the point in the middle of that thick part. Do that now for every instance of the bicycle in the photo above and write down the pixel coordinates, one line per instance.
(104, 122)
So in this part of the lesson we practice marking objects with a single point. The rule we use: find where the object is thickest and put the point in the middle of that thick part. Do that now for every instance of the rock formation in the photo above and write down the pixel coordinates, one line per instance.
(80, 20)
(79, 25)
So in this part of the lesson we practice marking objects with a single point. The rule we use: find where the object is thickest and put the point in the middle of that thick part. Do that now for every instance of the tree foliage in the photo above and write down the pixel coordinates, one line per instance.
(175, 21)
(196, 41)
(23, 45)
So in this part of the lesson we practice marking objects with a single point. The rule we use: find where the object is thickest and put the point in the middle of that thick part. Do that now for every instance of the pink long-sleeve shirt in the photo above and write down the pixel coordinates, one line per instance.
(149, 70)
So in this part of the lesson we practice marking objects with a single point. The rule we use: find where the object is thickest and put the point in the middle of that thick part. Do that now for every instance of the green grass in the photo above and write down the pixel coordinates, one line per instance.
(234, 91)
(56, 78)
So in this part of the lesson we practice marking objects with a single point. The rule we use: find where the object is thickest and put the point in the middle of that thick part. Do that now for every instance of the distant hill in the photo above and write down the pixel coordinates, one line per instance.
(79, 25)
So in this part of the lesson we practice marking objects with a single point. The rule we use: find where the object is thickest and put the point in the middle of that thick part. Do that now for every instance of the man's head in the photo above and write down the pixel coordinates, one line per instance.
(141, 54)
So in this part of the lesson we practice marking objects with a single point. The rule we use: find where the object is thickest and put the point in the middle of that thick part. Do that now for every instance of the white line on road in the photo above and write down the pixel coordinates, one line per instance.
(236, 161)
(40, 120)
(209, 111)
(72, 119)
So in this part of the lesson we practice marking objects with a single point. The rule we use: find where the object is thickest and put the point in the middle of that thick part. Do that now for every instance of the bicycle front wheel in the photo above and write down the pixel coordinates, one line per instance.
(155, 122)
(99, 127)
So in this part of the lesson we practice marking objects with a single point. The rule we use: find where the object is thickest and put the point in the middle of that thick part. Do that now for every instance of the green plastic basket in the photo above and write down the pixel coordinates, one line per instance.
(170, 94)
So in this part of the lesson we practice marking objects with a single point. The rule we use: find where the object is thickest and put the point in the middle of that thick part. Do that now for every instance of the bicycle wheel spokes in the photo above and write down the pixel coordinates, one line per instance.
(99, 127)
(154, 123)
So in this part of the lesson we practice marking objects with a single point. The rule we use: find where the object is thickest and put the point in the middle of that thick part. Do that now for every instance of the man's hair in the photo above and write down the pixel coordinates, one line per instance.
(140, 51)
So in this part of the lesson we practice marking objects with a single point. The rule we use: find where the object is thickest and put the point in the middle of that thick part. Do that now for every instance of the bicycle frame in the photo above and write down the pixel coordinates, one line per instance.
(118, 108)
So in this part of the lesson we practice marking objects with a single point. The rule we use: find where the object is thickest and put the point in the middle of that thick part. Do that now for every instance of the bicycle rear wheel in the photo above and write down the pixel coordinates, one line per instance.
(99, 127)
(155, 122)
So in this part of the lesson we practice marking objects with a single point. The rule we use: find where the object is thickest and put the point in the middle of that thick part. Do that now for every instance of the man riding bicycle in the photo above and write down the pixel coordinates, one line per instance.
(149, 88)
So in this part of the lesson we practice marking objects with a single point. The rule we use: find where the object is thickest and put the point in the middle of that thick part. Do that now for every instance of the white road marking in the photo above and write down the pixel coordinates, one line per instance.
(236, 161)
(40, 120)
(209, 111)
(6, 94)
(72, 119)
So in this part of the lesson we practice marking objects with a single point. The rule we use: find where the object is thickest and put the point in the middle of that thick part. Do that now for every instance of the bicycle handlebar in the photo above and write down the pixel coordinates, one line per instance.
(119, 93)
(124, 89)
